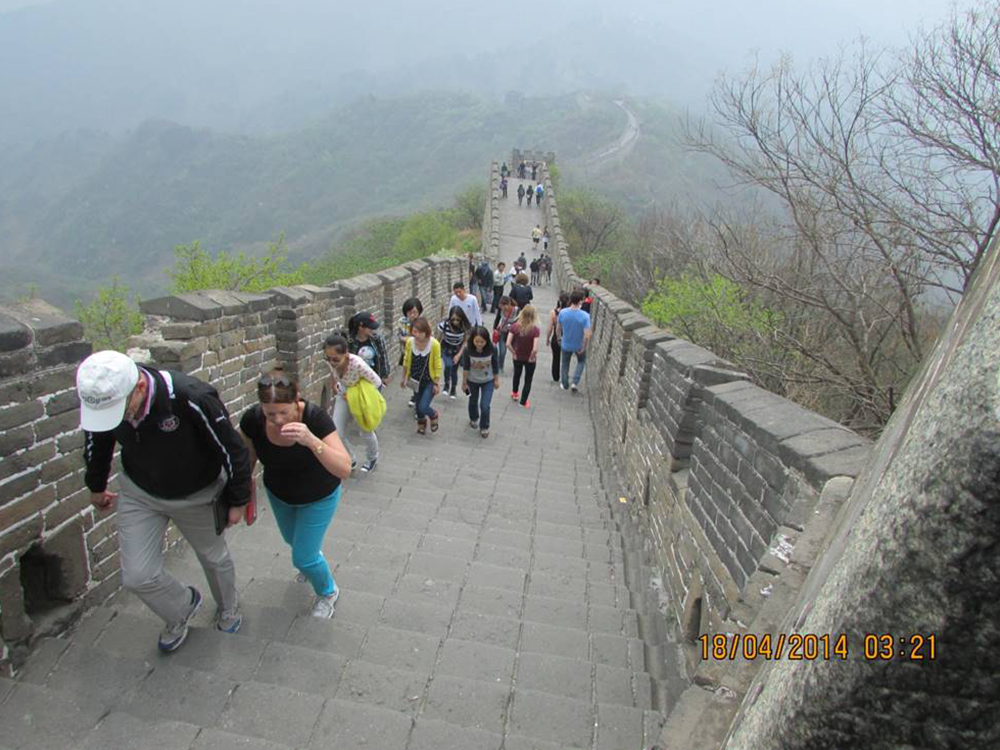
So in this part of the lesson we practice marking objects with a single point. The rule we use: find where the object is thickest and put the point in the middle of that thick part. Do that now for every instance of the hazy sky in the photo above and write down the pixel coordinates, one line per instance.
(238, 64)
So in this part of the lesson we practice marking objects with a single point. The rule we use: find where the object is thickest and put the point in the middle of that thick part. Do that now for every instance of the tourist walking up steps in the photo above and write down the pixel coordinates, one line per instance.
(520, 292)
(468, 303)
(422, 372)
(180, 457)
(452, 332)
(504, 321)
(363, 340)
(304, 461)
(346, 370)
(523, 343)
(573, 328)
(552, 335)
(520, 194)
(480, 378)
(529, 194)
(413, 308)
(500, 280)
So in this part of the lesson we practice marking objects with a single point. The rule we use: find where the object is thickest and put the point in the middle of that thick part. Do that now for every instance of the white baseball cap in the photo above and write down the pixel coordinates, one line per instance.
(104, 381)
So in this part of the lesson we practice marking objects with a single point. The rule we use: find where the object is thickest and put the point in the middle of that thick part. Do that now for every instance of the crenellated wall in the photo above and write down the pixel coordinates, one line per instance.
(54, 548)
(734, 486)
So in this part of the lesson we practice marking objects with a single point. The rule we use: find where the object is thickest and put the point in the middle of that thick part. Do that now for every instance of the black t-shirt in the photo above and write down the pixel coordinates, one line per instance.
(292, 473)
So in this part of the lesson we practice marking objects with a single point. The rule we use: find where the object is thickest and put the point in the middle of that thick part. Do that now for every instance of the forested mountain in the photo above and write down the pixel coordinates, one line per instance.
(82, 206)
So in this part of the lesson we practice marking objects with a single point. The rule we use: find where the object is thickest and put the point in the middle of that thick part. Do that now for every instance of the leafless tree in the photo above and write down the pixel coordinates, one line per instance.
(885, 176)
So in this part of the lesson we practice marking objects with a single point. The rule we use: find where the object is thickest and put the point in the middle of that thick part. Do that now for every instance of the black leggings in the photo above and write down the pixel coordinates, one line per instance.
(529, 373)
(556, 359)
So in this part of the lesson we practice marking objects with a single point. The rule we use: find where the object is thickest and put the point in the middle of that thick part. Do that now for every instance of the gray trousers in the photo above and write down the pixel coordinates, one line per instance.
(142, 521)
(341, 416)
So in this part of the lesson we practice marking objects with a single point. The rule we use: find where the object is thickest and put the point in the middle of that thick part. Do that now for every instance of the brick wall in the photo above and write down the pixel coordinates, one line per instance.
(224, 338)
(727, 480)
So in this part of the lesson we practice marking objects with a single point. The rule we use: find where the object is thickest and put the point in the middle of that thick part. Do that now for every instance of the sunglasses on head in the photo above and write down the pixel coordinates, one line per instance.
(280, 381)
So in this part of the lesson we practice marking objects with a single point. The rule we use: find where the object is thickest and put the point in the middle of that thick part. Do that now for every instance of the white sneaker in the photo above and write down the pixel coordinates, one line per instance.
(444, 391)
(573, 387)
(323, 607)
(452, 396)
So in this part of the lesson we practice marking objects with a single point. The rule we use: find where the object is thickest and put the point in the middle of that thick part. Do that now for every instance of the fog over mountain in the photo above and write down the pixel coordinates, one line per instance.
(264, 64)
(127, 126)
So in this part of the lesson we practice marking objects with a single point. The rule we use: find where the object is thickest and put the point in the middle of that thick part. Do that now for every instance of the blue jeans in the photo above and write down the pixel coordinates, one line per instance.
(424, 397)
(303, 528)
(480, 396)
(581, 362)
(501, 351)
(450, 369)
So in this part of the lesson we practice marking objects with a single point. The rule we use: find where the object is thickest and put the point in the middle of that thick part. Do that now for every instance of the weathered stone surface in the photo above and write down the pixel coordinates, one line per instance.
(13, 335)
(189, 306)
(913, 551)
(49, 324)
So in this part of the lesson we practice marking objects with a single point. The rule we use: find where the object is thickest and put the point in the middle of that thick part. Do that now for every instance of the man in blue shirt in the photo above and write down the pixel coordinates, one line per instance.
(573, 329)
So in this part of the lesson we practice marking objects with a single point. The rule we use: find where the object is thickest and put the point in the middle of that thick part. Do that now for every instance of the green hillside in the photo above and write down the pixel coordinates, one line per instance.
(87, 207)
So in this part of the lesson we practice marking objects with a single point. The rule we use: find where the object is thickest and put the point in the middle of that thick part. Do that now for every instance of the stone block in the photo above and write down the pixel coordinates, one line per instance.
(189, 306)
(12, 489)
(18, 362)
(54, 381)
(34, 456)
(62, 403)
(52, 426)
(14, 623)
(818, 443)
(49, 325)
(14, 512)
(63, 354)
(67, 507)
(22, 414)
(13, 334)
(845, 463)
(229, 302)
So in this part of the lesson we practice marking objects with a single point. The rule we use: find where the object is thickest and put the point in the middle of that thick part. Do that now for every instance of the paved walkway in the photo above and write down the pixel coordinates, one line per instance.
(483, 606)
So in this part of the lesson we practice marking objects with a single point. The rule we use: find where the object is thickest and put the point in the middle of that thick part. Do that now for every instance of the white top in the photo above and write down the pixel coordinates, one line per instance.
(470, 306)
(356, 370)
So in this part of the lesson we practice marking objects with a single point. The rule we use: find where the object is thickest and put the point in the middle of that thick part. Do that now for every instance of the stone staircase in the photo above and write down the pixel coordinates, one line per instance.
(487, 602)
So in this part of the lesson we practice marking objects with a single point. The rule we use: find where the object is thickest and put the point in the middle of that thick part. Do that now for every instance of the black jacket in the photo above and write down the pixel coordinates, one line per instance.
(521, 294)
(179, 448)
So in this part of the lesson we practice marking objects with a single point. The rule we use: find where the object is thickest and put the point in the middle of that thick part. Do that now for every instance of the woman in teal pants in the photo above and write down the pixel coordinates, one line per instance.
(304, 462)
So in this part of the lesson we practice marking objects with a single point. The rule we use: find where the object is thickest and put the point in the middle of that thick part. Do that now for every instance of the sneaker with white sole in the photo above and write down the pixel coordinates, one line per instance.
(323, 607)
(173, 636)
(474, 425)
(229, 620)
(573, 387)
(452, 396)
(369, 466)
(301, 577)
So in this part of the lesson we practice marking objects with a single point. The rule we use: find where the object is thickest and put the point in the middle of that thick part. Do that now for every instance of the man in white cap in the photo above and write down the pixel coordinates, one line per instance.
(179, 453)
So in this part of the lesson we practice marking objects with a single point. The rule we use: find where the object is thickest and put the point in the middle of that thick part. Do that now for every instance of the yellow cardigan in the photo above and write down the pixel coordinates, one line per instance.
(435, 366)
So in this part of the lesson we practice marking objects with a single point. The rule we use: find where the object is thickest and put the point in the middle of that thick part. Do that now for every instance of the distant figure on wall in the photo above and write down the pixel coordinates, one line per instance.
(504, 170)
(520, 195)
(534, 171)
(529, 194)
(521, 263)
(521, 171)
(539, 192)
(503, 187)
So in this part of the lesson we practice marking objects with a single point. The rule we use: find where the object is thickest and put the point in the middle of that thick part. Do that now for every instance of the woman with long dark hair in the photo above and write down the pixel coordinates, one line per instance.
(452, 332)
(552, 335)
(304, 462)
(347, 369)
(480, 378)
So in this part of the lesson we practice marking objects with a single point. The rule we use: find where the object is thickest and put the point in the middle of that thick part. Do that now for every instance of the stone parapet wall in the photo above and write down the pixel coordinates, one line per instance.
(727, 479)
(54, 548)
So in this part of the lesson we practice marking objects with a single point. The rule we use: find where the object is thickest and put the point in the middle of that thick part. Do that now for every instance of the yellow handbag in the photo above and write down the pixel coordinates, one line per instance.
(366, 404)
